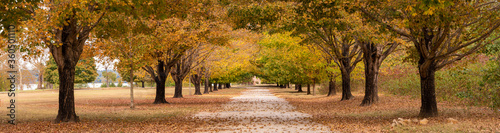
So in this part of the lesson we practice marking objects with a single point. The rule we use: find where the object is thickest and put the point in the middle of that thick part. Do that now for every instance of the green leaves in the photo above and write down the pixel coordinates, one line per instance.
(85, 71)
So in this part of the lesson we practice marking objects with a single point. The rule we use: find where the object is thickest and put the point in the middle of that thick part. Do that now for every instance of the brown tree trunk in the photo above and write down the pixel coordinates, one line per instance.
(228, 85)
(132, 86)
(331, 87)
(371, 74)
(66, 112)
(178, 89)
(160, 83)
(40, 81)
(346, 86)
(210, 86)
(142, 83)
(299, 87)
(308, 89)
(371, 89)
(427, 85)
(206, 91)
(215, 87)
(220, 85)
(196, 80)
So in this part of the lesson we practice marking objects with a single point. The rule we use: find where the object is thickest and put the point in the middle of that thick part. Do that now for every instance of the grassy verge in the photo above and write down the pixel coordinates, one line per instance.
(348, 116)
(107, 110)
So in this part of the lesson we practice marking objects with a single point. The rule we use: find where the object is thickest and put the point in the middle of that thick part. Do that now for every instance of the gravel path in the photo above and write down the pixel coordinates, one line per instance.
(257, 110)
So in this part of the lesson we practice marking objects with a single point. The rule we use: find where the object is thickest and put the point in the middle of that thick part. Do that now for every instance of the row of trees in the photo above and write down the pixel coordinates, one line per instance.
(193, 38)
(176, 38)
(435, 33)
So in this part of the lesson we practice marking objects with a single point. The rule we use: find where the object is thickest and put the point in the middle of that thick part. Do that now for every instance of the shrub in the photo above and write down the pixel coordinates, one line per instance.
(112, 85)
(103, 85)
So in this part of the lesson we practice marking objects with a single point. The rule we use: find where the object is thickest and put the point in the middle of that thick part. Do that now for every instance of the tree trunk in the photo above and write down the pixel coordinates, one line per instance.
(142, 83)
(314, 87)
(296, 86)
(206, 86)
(107, 78)
(178, 88)
(210, 86)
(131, 86)
(40, 80)
(371, 75)
(331, 86)
(346, 86)
(66, 112)
(160, 83)
(196, 80)
(299, 87)
(228, 85)
(427, 85)
(215, 87)
(220, 85)
(308, 89)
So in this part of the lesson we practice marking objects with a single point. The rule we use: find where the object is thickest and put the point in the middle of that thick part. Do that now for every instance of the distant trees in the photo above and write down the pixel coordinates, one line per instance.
(282, 59)
(110, 77)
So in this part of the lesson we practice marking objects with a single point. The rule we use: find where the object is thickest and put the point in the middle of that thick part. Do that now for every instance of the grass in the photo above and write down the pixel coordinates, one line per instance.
(348, 116)
(108, 110)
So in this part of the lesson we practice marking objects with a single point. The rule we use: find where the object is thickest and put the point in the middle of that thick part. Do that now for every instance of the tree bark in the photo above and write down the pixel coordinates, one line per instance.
(40, 81)
(228, 85)
(131, 86)
(196, 80)
(371, 89)
(308, 89)
(210, 86)
(206, 91)
(427, 85)
(178, 89)
(331, 86)
(66, 112)
(299, 87)
(160, 83)
(220, 85)
(142, 83)
(346, 86)
(215, 87)
(371, 59)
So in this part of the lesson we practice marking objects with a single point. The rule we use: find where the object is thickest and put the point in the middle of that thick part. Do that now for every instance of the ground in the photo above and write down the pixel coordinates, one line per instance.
(107, 110)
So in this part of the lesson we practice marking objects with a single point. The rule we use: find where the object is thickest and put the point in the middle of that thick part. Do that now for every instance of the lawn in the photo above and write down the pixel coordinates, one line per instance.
(348, 116)
(108, 110)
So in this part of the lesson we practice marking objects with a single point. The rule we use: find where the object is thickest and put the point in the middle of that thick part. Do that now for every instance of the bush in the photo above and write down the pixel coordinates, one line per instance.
(408, 85)
(112, 85)
(103, 85)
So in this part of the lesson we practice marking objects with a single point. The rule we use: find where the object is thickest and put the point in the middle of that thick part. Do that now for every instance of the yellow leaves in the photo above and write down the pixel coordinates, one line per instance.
(430, 11)
(409, 8)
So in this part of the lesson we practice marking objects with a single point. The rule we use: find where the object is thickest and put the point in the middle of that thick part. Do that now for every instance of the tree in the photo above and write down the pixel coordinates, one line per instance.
(376, 44)
(442, 32)
(196, 80)
(191, 59)
(110, 77)
(322, 24)
(85, 71)
(295, 63)
(63, 27)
